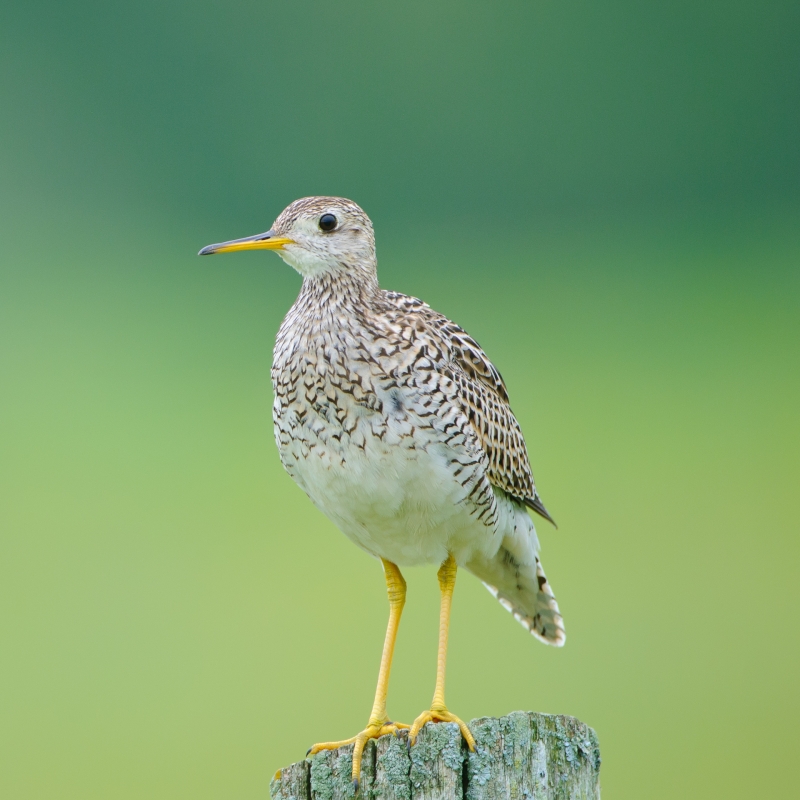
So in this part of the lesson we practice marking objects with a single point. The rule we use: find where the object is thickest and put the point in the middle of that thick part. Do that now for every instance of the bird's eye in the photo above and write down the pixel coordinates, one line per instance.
(327, 222)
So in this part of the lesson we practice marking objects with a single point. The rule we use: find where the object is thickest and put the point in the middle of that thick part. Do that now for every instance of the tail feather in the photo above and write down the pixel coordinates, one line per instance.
(537, 611)
(514, 575)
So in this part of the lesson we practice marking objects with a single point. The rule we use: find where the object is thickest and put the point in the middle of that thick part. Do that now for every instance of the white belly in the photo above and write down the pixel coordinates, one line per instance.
(393, 495)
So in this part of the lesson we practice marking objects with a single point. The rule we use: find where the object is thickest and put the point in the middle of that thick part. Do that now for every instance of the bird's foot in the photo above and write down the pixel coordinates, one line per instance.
(374, 730)
(440, 714)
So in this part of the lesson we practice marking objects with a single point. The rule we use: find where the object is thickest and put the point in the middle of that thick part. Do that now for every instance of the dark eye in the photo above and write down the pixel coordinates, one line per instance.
(327, 222)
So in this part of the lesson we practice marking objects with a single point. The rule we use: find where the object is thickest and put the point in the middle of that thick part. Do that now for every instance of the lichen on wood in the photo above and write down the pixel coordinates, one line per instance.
(523, 756)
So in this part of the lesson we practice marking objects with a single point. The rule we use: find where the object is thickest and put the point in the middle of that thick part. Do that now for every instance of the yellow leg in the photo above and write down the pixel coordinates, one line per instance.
(379, 723)
(438, 711)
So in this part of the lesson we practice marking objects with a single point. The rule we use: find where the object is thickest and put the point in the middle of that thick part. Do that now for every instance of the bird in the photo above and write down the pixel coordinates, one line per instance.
(398, 427)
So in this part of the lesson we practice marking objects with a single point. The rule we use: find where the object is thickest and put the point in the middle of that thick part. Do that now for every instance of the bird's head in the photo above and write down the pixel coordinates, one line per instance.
(316, 236)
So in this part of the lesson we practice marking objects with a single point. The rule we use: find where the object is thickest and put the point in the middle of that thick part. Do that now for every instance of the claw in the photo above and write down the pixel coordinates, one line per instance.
(355, 784)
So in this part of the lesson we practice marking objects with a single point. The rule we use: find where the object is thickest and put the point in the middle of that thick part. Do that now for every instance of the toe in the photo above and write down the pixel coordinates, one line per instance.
(318, 748)
(441, 715)
(466, 733)
(419, 722)
(396, 728)
(373, 731)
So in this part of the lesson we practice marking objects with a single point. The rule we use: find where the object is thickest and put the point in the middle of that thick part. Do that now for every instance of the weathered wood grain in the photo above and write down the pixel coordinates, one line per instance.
(524, 756)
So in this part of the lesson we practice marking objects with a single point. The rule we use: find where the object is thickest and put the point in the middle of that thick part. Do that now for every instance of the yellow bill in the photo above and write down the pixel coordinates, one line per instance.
(261, 241)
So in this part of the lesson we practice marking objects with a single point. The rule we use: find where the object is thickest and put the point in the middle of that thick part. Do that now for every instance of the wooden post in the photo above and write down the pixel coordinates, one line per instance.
(524, 756)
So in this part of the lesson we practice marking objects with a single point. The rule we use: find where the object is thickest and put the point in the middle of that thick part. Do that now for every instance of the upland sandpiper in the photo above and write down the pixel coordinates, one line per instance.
(398, 427)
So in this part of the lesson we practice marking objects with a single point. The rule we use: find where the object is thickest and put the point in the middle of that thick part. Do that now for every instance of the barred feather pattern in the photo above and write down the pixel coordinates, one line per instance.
(542, 618)
(482, 396)
(398, 426)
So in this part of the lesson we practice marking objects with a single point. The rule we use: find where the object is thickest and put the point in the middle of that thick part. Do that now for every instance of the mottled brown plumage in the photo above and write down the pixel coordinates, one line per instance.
(399, 428)
(373, 389)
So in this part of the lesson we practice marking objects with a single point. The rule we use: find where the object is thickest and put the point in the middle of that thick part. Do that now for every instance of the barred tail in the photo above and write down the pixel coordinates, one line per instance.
(523, 590)
(536, 609)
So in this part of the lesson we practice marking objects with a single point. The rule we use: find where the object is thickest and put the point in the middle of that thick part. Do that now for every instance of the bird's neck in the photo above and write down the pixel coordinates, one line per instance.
(337, 292)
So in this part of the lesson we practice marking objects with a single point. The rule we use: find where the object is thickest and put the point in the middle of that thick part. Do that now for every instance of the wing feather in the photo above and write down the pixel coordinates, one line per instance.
(484, 399)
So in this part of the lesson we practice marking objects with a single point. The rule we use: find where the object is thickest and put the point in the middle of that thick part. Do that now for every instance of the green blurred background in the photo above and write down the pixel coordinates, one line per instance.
(607, 196)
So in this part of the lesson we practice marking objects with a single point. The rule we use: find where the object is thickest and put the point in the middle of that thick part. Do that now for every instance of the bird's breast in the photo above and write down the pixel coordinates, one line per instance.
(327, 404)
(372, 450)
